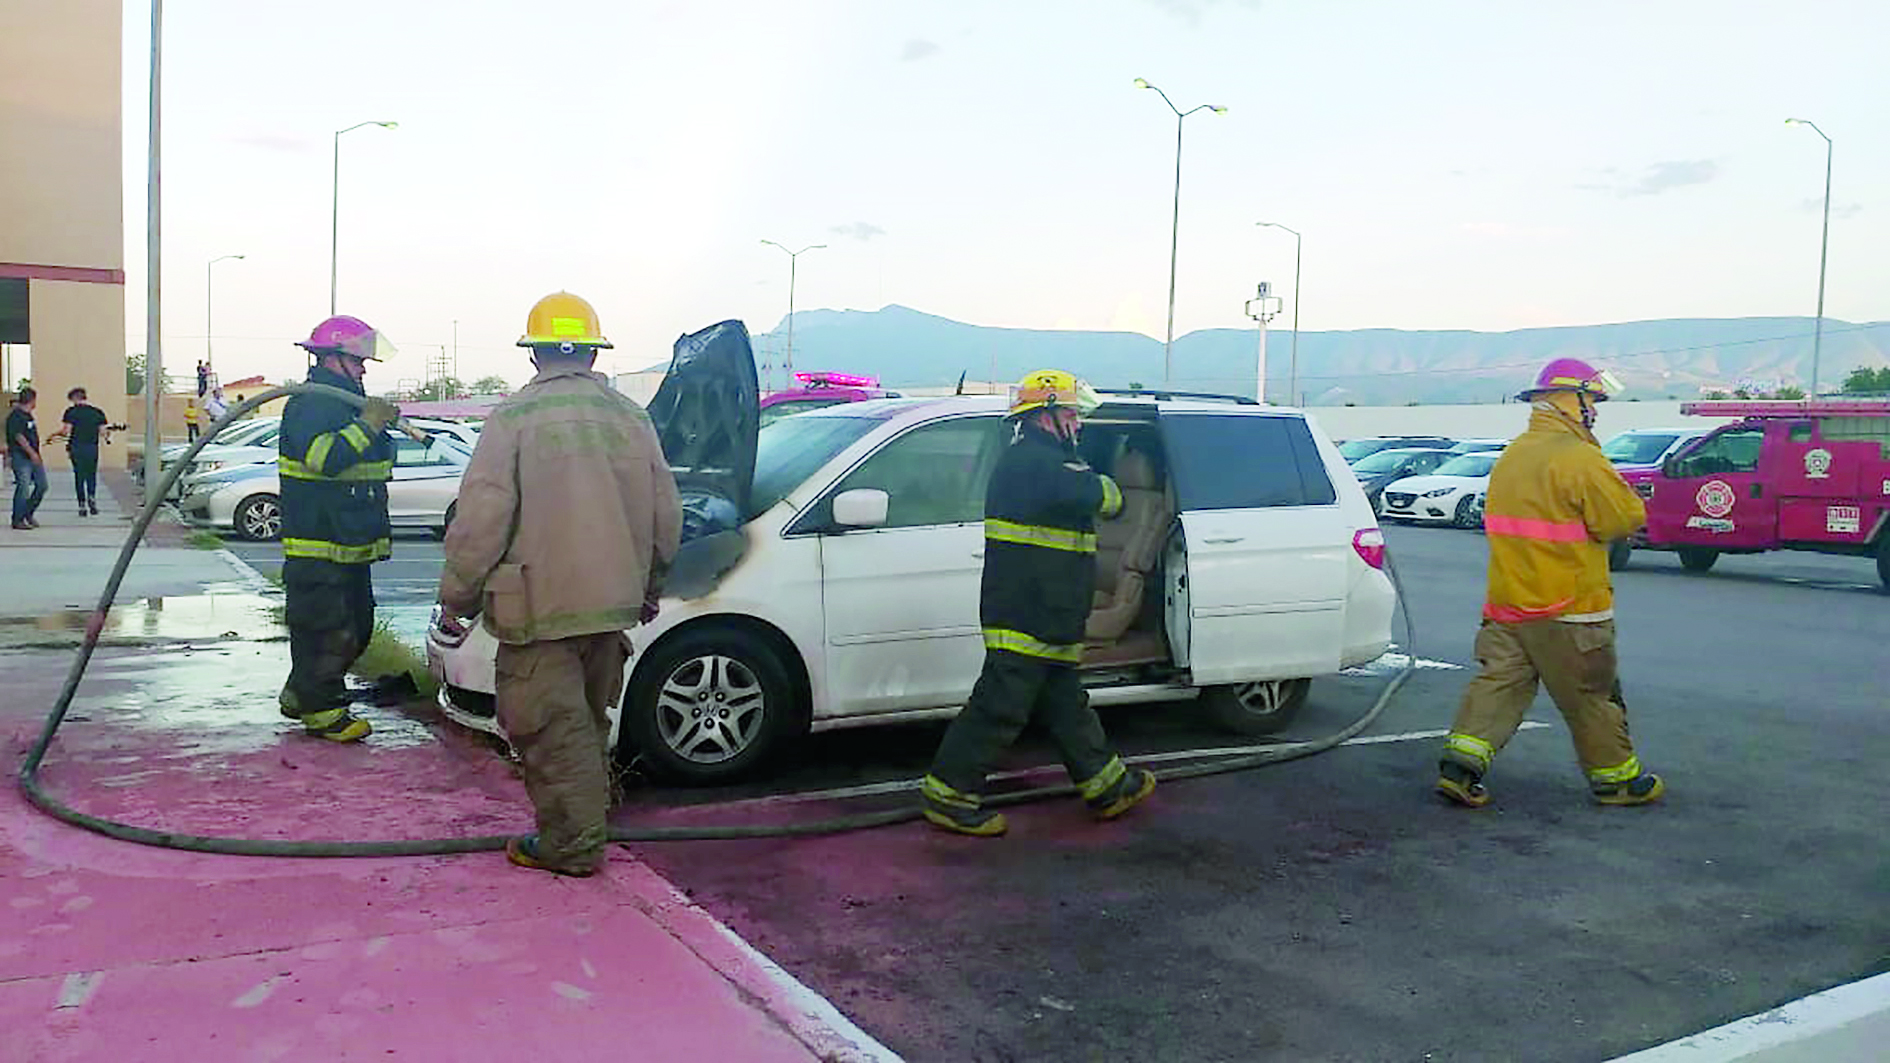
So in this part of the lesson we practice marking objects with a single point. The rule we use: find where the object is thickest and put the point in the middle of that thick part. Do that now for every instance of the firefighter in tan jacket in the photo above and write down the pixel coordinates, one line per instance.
(1555, 503)
(567, 519)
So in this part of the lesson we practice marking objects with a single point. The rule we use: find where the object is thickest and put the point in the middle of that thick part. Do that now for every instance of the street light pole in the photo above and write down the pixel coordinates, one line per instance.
(1824, 246)
(794, 258)
(334, 210)
(1174, 229)
(153, 267)
(209, 307)
(1292, 387)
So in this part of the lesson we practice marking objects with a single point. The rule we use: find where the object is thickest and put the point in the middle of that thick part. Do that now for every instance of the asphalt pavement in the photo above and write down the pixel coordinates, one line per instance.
(1332, 908)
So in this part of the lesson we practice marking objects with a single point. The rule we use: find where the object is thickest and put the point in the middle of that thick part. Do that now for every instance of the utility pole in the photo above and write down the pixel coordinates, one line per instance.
(153, 266)
(1261, 308)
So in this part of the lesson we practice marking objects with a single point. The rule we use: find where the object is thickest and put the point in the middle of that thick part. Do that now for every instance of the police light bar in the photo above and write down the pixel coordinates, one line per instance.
(837, 380)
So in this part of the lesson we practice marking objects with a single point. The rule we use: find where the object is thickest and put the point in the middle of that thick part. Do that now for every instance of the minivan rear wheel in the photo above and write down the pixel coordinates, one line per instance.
(708, 707)
(1259, 708)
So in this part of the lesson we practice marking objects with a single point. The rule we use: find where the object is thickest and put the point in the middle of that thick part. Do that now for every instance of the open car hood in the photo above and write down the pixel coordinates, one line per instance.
(707, 415)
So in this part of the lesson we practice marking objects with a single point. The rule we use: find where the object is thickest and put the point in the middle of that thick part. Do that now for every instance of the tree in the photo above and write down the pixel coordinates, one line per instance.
(1135, 385)
(440, 390)
(134, 374)
(491, 385)
(1789, 392)
(1867, 381)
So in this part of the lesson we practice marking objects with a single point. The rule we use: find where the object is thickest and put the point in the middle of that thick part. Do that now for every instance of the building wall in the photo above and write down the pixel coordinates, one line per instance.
(62, 194)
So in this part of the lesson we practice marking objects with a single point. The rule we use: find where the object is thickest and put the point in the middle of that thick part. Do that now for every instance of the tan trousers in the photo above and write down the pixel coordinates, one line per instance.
(553, 700)
(1577, 663)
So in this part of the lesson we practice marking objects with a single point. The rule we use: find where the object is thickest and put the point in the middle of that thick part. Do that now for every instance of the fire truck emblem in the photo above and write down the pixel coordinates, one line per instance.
(1818, 464)
(1716, 498)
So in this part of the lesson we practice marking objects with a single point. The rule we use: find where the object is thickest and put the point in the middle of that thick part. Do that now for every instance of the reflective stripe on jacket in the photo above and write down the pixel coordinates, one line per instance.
(1554, 504)
(1040, 514)
(568, 514)
(333, 472)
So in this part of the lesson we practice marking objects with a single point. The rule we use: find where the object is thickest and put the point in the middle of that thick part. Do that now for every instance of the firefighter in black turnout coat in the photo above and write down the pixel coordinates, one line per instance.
(1039, 574)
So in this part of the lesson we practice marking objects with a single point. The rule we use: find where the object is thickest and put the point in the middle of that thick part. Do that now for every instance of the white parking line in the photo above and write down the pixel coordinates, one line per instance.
(898, 785)
(1838, 1024)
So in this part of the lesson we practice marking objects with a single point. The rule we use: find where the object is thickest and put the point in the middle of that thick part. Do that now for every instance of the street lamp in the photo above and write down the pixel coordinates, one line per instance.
(334, 212)
(209, 306)
(793, 261)
(1292, 387)
(1174, 232)
(1824, 245)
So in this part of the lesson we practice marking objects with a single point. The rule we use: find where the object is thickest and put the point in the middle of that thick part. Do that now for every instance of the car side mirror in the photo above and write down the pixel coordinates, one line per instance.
(862, 507)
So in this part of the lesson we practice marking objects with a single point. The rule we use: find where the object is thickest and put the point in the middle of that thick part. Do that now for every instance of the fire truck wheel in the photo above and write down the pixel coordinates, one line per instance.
(1619, 552)
(1883, 560)
(1698, 558)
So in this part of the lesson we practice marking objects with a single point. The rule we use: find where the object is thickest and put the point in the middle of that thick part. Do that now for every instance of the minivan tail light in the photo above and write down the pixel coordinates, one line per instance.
(1370, 544)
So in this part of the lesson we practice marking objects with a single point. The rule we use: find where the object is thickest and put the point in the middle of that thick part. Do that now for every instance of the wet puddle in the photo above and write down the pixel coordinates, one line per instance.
(197, 617)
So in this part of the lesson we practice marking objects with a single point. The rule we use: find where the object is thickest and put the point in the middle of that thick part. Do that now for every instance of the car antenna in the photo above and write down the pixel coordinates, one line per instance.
(961, 382)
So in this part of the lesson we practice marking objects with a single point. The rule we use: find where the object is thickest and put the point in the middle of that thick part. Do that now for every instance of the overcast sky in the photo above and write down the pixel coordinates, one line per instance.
(1480, 164)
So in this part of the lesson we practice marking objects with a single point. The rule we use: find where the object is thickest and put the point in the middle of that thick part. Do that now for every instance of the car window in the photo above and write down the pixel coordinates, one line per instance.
(1245, 462)
(934, 474)
(770, 414)
(1423, 463)
(1355, 449)
(1383, 461)
(790, 450)
(1468, 465)
(1733, 451)
(409, 453)
(1638, 448)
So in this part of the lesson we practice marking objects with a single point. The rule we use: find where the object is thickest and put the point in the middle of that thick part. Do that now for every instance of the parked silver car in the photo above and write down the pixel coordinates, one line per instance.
(247, 500)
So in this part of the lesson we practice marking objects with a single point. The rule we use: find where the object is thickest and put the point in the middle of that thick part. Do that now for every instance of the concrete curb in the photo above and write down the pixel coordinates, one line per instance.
(252, 580)
(1813, 1025)
(810, 1017)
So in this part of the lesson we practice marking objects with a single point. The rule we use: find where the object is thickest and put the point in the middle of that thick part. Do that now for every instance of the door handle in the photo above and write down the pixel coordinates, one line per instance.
(1222, 539)
(979, 554)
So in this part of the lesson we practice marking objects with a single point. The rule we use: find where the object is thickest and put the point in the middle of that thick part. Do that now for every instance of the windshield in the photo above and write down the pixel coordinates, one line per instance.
(791, 449)
(771, 414)
(1358, 448)
(1383, 461)
(1637, 448)
(1468, 465)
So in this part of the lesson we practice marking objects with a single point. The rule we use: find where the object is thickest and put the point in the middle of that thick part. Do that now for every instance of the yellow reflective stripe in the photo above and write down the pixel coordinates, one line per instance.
(997, 638)
(1005, 531)
(319, 449)
(1622, 772)
(1112, 498)
(1111, 774)
(1471, 746)
(357, 437)
(321, 550)
(364, 470)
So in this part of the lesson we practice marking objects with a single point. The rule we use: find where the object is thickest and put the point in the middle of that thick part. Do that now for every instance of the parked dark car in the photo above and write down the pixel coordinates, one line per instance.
(1354, 449)
(1377, 471)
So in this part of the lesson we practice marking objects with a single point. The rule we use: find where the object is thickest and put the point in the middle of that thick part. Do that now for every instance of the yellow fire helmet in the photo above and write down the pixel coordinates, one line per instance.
(564, 321)
(1046, 388)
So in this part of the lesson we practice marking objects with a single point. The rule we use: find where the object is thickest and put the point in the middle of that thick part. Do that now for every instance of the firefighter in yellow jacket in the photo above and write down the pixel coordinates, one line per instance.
(1554, 504)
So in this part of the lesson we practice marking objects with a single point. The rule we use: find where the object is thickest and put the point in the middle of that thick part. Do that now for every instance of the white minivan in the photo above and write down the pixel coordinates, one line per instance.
(1246, 563)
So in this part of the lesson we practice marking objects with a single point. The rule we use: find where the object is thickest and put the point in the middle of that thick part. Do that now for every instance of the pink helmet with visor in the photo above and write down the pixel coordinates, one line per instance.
(1573, 374)
(350, 336)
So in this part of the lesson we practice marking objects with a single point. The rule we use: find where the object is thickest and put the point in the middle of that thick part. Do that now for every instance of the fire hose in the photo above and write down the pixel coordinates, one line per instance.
(37, 795)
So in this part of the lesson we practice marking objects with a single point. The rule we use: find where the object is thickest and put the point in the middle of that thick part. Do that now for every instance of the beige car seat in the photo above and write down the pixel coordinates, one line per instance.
(1128, 547)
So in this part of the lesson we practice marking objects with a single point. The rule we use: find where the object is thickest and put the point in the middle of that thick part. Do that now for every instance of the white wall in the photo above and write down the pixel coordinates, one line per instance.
(1501, 421)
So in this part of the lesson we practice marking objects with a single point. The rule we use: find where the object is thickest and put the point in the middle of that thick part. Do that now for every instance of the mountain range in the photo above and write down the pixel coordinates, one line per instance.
(1367, 367)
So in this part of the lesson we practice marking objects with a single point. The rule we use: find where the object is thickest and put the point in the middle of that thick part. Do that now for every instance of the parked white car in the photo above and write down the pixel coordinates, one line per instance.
(261, 448)
(247, 500)
(1245, 564)
(1446, 495)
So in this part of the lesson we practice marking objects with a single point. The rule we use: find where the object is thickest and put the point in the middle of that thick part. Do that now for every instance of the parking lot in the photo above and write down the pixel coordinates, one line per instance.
(1332, 908)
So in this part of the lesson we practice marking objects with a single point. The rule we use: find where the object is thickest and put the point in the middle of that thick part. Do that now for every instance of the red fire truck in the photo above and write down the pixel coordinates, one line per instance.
(1785, 475)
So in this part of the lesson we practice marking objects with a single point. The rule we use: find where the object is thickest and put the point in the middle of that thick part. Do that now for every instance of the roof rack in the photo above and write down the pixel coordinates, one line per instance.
(1164, 393)
(1821, 407)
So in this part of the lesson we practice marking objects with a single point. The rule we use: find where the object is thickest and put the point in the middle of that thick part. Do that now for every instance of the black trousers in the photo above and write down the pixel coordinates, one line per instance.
(1013, 691)
(84, 470)
(330, 614)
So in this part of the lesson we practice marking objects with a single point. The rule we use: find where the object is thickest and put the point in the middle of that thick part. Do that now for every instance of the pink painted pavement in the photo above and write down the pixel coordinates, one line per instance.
(112, 951)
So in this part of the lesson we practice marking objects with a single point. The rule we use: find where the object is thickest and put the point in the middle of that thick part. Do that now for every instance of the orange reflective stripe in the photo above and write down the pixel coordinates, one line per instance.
(1522, 614)
(1536, 528)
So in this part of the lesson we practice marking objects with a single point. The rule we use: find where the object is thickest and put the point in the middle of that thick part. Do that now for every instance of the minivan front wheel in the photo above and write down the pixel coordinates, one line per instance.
(1259, 708)
(709, 706)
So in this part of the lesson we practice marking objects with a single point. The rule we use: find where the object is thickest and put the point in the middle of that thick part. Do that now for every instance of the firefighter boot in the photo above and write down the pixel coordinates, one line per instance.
(1125, 793)
(948, 808)
(523, 852)
(336, 725)
(1462, 784)
(1640, 790)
